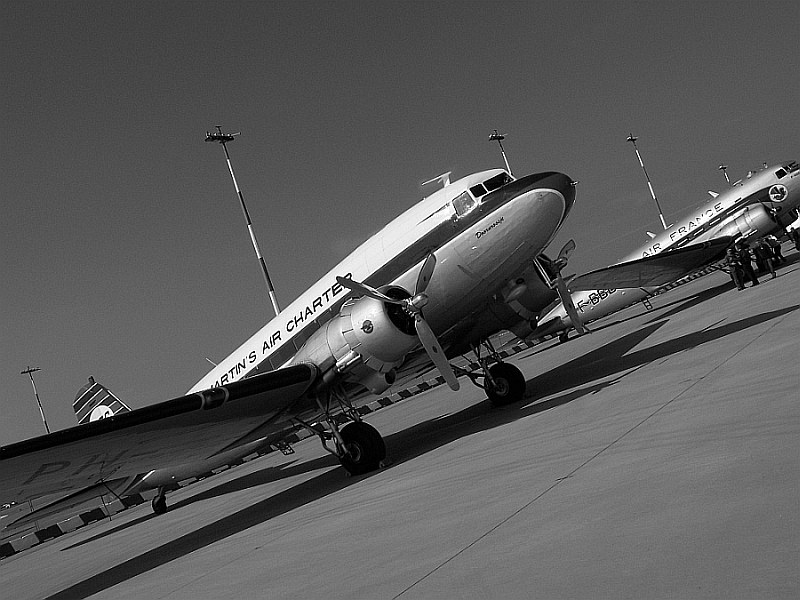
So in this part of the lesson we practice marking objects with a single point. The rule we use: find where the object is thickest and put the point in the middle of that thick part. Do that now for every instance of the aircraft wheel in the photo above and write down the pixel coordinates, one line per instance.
(507, 386)
(159, 504)
(365, 448)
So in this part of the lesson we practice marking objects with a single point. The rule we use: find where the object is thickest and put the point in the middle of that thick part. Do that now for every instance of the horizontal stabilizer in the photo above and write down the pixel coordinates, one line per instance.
(659, 269)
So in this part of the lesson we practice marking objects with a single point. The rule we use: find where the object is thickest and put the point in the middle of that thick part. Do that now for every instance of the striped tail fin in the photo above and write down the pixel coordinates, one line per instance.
(94, 402)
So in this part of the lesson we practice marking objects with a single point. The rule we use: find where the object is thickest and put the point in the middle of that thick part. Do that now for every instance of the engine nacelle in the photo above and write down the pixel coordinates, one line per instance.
(364, 342)
(754, 220)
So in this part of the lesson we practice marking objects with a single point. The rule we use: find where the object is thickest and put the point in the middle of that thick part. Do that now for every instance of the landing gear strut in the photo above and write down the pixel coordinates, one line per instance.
(504, 383)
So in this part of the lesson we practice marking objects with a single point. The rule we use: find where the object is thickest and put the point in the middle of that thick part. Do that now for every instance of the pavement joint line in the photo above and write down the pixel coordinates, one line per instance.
(587, 461)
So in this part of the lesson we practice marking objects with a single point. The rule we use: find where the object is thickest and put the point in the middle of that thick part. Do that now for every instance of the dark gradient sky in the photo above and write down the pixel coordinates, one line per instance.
(124, 250)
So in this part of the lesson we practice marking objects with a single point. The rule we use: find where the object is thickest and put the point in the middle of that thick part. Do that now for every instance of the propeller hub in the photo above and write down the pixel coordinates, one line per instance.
(418, 301)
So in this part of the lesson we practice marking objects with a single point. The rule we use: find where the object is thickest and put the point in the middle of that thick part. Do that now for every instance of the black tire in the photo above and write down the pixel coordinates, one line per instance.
(365, 448)
(509, 384)
(159, 504)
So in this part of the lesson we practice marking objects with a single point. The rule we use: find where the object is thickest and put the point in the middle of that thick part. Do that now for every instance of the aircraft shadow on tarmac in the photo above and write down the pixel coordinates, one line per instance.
(575, 379)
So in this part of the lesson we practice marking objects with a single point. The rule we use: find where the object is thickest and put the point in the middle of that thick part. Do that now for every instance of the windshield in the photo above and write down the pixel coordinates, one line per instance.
(490, 184)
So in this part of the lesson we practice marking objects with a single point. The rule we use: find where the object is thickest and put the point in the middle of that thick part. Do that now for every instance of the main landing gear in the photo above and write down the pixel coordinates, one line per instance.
(504, 383)
(357, 444)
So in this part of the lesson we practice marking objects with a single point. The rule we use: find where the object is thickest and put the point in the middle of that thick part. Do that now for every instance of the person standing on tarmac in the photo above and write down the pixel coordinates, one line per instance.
(735, 269)
(794, 235)
(764, 255)
(743, 254)
(776, 249)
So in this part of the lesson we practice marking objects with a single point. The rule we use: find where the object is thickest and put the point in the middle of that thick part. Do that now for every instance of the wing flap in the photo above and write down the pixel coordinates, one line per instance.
(655, 270)
(163, 435)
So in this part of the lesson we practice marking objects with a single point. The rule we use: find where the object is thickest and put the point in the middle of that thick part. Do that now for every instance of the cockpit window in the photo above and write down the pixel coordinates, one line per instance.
(464, 203)
(786, 169)
(478, 190)
(497, 181)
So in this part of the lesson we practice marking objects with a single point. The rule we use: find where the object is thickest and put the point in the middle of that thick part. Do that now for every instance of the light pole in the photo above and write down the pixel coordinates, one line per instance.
(224, 138)
(499, 137)
(29, 372)
(632, 140)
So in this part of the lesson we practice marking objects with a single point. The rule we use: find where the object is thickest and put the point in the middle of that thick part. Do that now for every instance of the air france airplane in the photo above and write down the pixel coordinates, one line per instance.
(762, 203)
(435, 283)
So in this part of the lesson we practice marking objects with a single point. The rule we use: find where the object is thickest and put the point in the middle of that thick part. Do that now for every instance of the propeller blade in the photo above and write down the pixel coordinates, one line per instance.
(569, 305)
(413, 306)
(365, 290)
(563, 256)
(425, 274)
(431, 345)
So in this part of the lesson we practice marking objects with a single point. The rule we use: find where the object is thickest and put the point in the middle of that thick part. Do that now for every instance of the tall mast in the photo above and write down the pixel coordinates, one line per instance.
(632, 140)
(29, 372)
(224, 138)
(499, 137)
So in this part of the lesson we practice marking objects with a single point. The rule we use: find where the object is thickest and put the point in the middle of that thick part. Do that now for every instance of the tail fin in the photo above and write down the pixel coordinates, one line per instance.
(94, 402)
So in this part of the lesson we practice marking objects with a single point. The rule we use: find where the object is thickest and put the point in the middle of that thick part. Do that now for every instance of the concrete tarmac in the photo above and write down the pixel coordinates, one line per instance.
(658, 457)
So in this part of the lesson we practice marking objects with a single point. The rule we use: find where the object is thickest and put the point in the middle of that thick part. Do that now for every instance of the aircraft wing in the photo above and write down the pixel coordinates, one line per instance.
(655, 270)
(186, 429)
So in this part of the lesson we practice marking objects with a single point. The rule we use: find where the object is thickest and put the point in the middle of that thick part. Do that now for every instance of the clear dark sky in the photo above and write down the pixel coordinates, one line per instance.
(124, 250)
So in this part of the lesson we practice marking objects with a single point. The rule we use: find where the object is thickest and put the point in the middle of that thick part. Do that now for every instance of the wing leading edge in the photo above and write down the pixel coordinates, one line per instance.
(656, 270)
(167, 434)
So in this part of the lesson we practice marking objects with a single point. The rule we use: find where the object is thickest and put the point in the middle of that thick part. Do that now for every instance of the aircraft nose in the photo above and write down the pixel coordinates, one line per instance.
(559, 182)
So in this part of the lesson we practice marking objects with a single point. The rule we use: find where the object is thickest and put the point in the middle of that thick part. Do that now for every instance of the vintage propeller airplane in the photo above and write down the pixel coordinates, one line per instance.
(764, 202)
(435, 283)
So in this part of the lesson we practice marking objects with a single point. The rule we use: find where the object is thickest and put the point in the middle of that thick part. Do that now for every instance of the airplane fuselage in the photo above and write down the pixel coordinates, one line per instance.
(755, 206)
(480, 238)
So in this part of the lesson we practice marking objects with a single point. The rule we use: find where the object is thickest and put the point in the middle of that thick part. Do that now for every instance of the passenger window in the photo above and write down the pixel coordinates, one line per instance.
(464, 204)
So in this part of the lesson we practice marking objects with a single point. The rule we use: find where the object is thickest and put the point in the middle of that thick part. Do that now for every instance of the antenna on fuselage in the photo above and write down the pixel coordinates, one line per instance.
(724, 169)
(499, 137)
(444, 178)
(224, 138)
(632, 140)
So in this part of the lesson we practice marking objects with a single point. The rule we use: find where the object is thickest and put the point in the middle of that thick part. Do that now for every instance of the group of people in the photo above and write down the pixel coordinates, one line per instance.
(766, 252)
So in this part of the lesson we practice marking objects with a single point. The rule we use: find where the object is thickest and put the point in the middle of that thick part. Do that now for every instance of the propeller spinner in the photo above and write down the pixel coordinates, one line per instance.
(413, 306)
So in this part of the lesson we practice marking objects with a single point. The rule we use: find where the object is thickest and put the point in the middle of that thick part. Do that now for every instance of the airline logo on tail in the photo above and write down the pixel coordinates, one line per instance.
(94, 402)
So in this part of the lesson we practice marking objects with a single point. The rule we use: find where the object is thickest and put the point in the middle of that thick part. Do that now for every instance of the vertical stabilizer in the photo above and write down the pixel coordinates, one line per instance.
(94, 402)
